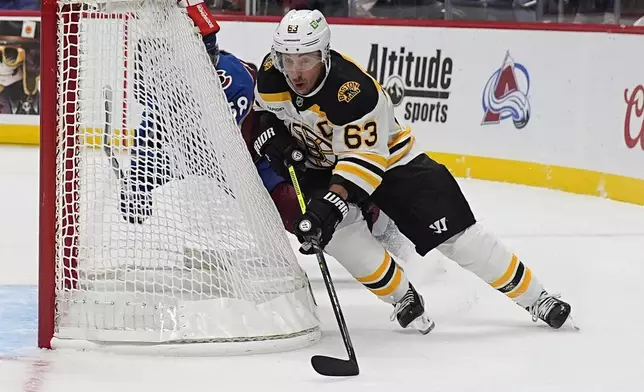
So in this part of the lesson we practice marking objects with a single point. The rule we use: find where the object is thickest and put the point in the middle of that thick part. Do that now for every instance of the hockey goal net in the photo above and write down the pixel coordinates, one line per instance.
(155, 228)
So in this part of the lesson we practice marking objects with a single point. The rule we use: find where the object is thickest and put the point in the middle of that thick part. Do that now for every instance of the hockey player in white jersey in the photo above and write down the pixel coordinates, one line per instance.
(362, 252)
(346, 121)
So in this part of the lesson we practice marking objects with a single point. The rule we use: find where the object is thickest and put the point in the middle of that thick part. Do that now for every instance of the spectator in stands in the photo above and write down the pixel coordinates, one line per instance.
(408, 9)
(593, 11)
(20, 4)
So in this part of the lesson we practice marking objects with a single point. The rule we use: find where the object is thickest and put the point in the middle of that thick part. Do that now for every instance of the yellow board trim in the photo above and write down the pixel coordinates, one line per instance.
(93, 137)
(90, 137)
(20, 134)
(567, 179)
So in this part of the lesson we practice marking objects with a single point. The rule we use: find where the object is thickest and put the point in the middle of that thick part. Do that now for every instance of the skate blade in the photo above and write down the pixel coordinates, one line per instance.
(424, 325)
(572, 323)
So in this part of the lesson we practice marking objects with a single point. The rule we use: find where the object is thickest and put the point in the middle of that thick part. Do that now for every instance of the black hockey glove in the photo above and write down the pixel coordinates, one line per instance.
(317, 225)
(276, 143)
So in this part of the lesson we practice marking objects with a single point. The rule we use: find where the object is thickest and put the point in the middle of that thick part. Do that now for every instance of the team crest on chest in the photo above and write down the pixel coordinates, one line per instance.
(226, 80)
(268, 63)
(348, 91)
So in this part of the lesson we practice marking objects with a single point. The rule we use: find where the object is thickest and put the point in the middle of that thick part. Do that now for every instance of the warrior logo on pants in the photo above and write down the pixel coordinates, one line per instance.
(439, 226)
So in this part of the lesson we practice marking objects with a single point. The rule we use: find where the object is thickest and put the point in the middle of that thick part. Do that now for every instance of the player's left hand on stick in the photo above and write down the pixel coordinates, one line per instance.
(277, 144)
(317, 225)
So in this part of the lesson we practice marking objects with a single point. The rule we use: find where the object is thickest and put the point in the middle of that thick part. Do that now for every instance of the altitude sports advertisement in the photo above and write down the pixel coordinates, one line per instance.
(419, 81)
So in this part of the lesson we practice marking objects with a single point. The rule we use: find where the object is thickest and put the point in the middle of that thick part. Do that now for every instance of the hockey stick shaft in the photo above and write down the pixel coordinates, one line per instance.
(107, 133)
(328, 282)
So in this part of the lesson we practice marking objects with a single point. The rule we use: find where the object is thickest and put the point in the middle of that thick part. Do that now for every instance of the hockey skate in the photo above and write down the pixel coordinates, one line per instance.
(411, 310)
(550, 309)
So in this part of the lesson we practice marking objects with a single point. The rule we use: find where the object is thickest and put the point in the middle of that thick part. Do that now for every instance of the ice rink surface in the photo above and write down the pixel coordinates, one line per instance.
(589, 249)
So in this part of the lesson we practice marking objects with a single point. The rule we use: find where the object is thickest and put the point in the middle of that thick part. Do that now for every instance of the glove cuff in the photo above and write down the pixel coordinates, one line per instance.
(203, 19)
(339, 204)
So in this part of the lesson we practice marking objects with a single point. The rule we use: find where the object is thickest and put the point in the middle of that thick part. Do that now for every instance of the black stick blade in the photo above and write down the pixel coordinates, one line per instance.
(328, 366)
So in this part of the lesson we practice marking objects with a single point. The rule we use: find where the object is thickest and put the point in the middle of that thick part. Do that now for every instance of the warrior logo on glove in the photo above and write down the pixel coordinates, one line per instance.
(263, 138)
(322, 216)
(337, 201)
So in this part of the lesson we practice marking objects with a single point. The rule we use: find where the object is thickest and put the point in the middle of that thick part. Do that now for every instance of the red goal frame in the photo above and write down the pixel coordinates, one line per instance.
(48, 143)
(48, 125)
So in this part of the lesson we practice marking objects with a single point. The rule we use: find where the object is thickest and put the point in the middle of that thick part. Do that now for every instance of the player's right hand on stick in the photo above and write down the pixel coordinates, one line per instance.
(316, 226)
(135, 205)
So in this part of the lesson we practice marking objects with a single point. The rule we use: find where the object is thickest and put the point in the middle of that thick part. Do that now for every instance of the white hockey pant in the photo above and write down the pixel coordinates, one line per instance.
(366, 259)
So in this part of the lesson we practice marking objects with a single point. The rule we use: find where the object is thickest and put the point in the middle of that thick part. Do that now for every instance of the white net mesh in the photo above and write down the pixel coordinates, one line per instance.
(164, 230)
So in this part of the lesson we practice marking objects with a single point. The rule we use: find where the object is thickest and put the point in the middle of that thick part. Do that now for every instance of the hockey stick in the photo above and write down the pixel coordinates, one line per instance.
(107, 133)
(329, 366)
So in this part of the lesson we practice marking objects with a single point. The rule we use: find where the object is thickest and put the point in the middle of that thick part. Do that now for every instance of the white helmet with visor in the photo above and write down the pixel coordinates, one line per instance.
(304, 33)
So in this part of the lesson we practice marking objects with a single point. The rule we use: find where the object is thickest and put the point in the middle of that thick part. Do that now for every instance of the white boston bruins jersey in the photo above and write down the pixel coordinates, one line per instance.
(348, 126)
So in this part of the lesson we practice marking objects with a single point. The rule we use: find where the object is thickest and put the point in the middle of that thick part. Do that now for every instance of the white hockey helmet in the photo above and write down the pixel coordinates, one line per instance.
(301, 32)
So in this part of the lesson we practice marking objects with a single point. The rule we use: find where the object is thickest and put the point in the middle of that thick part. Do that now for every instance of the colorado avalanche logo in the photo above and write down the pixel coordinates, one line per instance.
(225, 80)
(506, 95)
